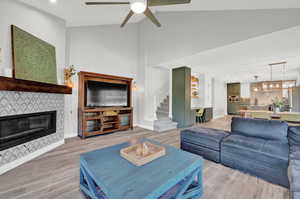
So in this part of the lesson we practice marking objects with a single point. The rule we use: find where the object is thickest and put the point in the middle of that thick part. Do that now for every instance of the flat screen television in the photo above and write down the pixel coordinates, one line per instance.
(103, 94)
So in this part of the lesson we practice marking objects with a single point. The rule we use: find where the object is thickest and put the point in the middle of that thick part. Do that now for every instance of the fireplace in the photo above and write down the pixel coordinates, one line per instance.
(19, 129)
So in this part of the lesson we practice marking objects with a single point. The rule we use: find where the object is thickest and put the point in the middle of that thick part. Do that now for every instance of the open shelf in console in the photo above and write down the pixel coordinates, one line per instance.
(97, 121)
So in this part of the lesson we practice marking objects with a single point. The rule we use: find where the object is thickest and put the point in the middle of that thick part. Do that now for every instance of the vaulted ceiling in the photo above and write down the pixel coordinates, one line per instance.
(76, 13)
(244, 42)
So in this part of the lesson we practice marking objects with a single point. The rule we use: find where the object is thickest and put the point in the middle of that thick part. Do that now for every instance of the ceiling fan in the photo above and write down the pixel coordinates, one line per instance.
(142, 6)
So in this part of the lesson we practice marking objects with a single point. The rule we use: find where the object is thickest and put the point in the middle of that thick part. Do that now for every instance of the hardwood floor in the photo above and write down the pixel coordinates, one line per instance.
(56, 173)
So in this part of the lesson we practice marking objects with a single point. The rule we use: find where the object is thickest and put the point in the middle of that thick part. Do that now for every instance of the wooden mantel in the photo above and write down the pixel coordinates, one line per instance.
(10, 84)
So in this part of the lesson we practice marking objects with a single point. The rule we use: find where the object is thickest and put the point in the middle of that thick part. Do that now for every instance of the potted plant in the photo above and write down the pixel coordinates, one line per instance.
(277, 104)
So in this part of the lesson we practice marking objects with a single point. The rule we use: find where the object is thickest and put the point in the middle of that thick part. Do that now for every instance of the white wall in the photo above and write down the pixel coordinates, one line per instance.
(219, 98)
(46, 27)
(102, 49)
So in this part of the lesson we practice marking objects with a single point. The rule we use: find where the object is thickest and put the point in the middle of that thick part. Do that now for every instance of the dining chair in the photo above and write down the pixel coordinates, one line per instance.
(199, 115)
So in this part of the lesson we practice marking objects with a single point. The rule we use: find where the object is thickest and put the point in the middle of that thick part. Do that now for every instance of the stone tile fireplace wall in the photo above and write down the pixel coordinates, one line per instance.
(14, 103)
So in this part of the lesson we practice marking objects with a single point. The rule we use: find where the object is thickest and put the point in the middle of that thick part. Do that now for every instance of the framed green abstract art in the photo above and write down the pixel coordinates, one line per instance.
(33, 58)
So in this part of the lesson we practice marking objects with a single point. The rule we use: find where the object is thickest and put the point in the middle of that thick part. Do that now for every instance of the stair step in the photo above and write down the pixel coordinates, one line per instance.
(164, 125)
(164, 122)
(162, 114)
(164, 105)
(166, 117)
(163, 109)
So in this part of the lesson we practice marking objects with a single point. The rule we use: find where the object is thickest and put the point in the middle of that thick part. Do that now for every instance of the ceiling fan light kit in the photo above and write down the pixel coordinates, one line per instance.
(138, 6)
(142, 6)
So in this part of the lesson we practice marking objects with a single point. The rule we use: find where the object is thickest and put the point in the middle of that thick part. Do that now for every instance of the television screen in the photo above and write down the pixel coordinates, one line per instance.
(102, 94)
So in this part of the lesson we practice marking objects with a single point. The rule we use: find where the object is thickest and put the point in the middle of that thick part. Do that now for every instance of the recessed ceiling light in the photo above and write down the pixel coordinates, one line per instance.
(52, 1)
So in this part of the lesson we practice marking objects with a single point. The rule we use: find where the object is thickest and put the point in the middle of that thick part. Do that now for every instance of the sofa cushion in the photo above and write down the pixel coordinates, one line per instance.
(267, 159)
(295, 152)
(267, 129)
(205, 137)
(294, 135)
(268, 148)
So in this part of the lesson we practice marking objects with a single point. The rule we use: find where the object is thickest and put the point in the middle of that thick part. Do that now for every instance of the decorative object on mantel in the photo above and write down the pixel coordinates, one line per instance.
(33, 58)
(69, 72)
(142, 153)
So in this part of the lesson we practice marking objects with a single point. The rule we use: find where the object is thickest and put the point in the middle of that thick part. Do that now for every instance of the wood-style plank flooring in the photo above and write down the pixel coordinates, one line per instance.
(56, 173)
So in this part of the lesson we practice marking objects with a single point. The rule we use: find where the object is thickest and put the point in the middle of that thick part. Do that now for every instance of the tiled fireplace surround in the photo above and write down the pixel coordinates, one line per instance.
(14, 103)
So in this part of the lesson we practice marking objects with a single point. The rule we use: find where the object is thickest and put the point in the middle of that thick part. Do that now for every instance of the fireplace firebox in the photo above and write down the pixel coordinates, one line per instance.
(19, 129)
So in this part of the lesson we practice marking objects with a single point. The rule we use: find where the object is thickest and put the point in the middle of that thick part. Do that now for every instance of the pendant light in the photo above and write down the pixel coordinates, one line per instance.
(255, 89)
(285, 83)
(271, 77)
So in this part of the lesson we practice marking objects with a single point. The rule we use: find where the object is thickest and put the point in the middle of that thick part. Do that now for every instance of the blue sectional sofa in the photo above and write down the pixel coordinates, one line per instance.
(267, 149)
(294, 162)
(203, 141)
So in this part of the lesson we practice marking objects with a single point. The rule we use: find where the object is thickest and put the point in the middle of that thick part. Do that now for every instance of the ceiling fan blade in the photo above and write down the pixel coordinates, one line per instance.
(167, 2)
(106, 3)
(127, 18)
(151, 16)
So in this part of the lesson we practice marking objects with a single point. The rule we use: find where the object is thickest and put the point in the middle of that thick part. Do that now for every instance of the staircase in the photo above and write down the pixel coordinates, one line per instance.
(163, 122)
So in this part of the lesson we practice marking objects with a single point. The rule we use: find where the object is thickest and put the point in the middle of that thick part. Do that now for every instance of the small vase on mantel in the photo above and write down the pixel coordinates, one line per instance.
(69, 72)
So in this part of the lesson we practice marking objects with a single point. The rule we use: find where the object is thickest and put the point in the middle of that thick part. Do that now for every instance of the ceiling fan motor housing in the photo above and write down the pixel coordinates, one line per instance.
(142, 6)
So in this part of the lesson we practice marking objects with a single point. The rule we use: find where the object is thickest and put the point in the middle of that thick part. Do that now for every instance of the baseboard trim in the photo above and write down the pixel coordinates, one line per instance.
(7, 167)
(151, 128)
(70, 136)
(218, 116)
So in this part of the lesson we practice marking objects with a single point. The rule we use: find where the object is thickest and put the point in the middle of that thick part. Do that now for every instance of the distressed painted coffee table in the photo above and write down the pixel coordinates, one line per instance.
(104, 174)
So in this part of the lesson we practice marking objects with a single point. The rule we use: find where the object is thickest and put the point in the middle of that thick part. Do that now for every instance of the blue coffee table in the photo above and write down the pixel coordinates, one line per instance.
(104, 174)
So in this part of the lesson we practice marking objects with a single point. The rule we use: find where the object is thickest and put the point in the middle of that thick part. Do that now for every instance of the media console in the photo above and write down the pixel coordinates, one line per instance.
(105, 118)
